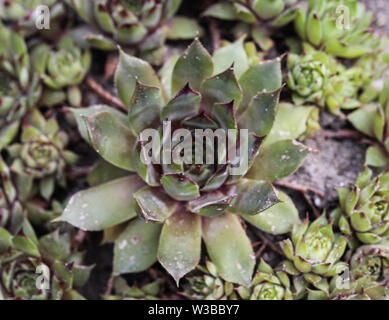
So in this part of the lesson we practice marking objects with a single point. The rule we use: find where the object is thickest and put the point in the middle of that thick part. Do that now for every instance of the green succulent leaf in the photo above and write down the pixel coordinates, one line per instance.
(192, 67)
(136, 247)
(90, 210)
(180, 187)
(118, 149)
(278, 219)
(229, 248)
(231, 54)
(260, 114)
(264, 76)
(154, 203)
(128, 71)
(278, 160)
(252, 197)
(180, 243)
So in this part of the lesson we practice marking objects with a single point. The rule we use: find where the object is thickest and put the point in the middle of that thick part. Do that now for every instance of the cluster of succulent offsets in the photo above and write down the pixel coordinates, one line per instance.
(72, 148)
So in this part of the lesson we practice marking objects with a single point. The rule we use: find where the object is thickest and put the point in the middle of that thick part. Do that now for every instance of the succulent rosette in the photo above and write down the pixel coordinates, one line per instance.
(206, 284)
(361, 289)
(41, 156)
(24, 14)
(363, 210)
(257, 18)
(372, 120)
(371, 261)
(267, 284)
(313, 255)
(19, 86)
(374, 66)
(62, 70)
(137, 26)
(316, 77)
(44, 269)
(180, 203)
(16, 202)
(339, 27)
(122, 291)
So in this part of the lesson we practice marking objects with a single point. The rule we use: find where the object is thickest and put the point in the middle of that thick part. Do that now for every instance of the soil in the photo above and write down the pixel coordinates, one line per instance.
(335, 163)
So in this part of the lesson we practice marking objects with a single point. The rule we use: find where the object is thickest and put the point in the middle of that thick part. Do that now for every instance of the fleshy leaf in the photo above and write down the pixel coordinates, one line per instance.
(210, 204)
(180, 187)
(233, 53)
(180, 243)
(80, 113)
(136, 248)
(145, 107)
(154, 203)
(128, 70)
(111, 139)
(185, 104)
(252, 197)
(103, 206)
(193, 66)
(278, 219)
(260, 114)
(264, 76)
(221, 88)
(229, 248)
(278, 160)
(182, 28)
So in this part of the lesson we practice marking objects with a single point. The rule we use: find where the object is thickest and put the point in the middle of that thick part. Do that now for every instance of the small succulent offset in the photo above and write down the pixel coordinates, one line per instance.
(267, 284)
(62, 70)
(44, 269)
(368, 275)
(25, 13)
(372, 120)
(206, 284)
(257, 18)
(40, 159)
(371, 261)
(363, 211)
(122, 291)
(360, 289)
(137, 26)
(19, 86)
(374, 67)
(313, 254)
(339, 27)
(316, 77)
(179, 204)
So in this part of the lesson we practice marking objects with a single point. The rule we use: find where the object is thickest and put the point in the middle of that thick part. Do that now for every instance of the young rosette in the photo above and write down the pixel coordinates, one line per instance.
(122, 291)
(316, 77)
(206, 284)
(360, 289)
(363, 211)
(257, 18)
(268, 284)
(185, 200)
(139, 27)
(313, 255)
(19, 86)
(41, 158)
(372, 120)
(339, 27)
(26, 15)
(44, 269)
(62, 69)
(371, 261)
